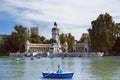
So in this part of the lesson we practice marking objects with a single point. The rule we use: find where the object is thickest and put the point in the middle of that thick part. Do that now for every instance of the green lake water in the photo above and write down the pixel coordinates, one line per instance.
(104, 68)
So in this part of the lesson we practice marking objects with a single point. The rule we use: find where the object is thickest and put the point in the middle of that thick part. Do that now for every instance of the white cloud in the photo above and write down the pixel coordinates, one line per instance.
(68, 13)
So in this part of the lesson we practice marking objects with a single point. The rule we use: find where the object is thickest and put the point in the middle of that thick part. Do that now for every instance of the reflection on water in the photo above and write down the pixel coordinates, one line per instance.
(83, 68)
(102, 68)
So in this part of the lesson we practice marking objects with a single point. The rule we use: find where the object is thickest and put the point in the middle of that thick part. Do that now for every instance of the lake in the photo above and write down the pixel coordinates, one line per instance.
(104, 68)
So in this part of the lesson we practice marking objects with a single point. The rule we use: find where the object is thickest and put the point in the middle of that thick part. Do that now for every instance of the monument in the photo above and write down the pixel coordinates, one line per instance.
(55, 45)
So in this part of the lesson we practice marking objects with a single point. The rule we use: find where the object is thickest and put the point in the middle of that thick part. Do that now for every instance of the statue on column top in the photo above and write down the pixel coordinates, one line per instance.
(55, 24)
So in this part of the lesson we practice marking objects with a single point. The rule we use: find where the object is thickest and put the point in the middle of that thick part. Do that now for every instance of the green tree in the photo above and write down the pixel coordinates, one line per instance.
(103, 33)
(35, 38)
(47, 41)
(17, 39)
(116, 48)
(70, 41)
(4, 45)
(42, 38)
(84, 36)
(1, 45)
(69, 38)
(9, 45)
(62, 38)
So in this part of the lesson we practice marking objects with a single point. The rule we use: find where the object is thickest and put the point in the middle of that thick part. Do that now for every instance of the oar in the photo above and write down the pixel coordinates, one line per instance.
(47, 75)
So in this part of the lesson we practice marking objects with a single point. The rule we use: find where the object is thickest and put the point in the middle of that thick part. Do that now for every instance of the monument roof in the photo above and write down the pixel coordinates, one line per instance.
(55, 28)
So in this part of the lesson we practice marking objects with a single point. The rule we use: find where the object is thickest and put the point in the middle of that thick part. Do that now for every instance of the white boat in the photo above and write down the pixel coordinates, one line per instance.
(18, 59)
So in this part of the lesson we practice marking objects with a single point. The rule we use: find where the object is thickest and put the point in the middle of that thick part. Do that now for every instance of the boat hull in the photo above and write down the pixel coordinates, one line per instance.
(58, 76)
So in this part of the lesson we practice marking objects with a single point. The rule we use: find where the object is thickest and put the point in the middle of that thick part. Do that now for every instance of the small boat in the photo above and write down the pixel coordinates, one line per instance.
(18, 59)
(62, 57)
(58, 75)
(32, 58)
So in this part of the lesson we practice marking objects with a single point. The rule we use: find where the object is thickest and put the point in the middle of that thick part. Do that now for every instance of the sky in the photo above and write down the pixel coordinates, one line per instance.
(72, 16)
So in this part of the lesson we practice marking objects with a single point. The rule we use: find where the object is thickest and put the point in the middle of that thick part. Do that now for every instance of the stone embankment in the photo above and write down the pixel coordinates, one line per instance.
(81, 54)
(16, 54)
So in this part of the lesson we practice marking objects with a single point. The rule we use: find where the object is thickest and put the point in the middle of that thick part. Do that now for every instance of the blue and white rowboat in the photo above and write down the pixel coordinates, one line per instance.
(58, 75)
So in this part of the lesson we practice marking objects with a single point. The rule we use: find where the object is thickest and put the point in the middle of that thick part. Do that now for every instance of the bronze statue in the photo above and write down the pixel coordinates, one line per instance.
(55, 24)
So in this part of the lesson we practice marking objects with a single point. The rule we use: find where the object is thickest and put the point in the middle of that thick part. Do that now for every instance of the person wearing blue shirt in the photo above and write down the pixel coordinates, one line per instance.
(60, 70)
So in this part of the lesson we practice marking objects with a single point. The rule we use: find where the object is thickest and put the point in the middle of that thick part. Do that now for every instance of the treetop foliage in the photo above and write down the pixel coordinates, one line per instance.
(103, 33)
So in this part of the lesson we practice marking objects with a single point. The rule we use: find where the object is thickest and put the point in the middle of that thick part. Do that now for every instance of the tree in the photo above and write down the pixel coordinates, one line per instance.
(1, 45)
(62, 38)
(22, 36)
(70, 41)
(17, 39)
(84, 36)
(69, 38)
(47, 41)
(42, 38)
(35, 38)
(103, 33)
(116, 48)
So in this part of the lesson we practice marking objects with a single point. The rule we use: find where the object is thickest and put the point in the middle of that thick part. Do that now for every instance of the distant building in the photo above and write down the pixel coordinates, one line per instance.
(33, 47)
(84, 45)
(35, 30)
(118, 25)
(55, 46)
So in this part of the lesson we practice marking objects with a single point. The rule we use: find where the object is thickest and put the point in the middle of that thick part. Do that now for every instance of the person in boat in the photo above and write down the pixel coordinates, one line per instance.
(60, 70)
(32, 58)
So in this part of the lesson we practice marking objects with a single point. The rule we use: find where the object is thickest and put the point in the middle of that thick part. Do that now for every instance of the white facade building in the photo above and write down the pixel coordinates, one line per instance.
(41, 48)
(55, 46)
(81, 47)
